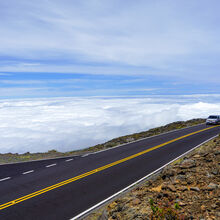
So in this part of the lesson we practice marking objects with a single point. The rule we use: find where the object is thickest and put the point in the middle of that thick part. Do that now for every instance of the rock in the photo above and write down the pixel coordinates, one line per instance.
(164, 185)
(114, 216)
(212, 186)
(124, 208)
(168, 173)
(214, 206)
(147, 209)
(112, 205)
(171, 188)
(136, 216)
(159, 195)
(130, 139)
(181, 172)
(182, 188)
(209, 175)
(136, 201)
(176, 182)
(203, 207)
(181, 177)
(118, 208)
(184, 183)
(196, 156)
(217, 152)
(208, 158)
(215, 171)
(177, 200)
(196, 189)
(182, 204)
(190, 180)
(104, 216)
(157, 188)
(165, 194)
(205, 154)
(188, 163)
(131, 212)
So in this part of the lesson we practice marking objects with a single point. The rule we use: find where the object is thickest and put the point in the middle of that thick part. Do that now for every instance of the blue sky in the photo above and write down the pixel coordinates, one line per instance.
(156, 61)
(109, 48)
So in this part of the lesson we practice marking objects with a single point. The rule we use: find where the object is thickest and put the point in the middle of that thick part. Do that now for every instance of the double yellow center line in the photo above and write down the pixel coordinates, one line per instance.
(39, 192)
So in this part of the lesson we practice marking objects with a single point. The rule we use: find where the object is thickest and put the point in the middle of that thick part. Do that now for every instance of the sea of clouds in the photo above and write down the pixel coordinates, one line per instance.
(64, 124)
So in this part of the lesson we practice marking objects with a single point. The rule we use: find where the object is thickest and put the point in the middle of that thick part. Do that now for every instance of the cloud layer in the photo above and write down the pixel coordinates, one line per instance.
(154, 37)
(39, 125)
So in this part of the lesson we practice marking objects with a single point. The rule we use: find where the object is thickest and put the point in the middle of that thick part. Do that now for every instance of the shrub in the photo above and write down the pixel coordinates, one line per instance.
(165, 210)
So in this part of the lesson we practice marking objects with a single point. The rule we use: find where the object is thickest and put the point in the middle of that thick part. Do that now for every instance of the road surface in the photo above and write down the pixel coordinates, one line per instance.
(65, 187)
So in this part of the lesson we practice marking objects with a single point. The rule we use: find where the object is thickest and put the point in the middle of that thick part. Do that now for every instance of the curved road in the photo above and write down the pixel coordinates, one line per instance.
(65, 187)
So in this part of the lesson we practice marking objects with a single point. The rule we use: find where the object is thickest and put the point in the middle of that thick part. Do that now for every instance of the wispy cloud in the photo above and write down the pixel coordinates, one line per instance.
(162, 38)
(5, 74)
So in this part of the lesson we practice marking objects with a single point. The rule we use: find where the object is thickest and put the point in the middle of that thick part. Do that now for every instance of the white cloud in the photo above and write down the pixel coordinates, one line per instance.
(5, 74)
(173, 38)
(72, 123)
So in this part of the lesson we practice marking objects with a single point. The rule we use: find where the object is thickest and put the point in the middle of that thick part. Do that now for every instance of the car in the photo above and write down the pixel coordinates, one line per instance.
(213, 120)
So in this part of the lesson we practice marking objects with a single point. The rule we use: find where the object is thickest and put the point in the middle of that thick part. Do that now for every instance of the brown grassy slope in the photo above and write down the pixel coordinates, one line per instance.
(9, 157)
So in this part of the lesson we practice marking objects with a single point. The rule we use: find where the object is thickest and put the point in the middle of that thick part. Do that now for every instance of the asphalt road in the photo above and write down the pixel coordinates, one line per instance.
(65, 187)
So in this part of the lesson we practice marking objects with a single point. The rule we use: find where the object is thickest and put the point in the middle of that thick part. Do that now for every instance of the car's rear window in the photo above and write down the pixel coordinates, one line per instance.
(213, 116)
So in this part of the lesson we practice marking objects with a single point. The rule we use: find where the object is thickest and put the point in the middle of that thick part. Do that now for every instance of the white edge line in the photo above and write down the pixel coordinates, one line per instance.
(69, 160)
(104, 149)
(140, 180)
(7, 178)
(54, 158)
(51, 165)
(30, 171)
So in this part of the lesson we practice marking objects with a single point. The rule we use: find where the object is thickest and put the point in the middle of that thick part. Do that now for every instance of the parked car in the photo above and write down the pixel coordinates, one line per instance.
(213, 120)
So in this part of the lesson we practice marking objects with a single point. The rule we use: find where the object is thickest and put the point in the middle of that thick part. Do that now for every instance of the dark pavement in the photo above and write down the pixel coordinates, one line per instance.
(67, 201)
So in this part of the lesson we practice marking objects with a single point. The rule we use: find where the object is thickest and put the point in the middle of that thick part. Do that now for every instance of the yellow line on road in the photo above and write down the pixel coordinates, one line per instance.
(39, 192)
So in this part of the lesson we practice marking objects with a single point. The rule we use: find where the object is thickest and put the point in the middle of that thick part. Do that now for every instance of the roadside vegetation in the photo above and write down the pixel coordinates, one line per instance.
(10, 157)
